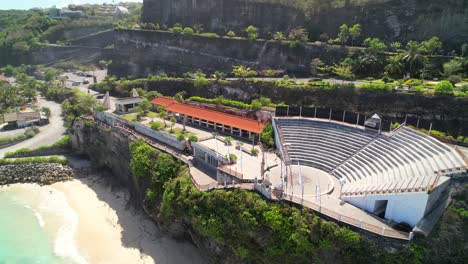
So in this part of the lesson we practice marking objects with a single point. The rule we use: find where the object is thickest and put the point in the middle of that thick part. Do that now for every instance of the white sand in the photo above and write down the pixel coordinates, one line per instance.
(110, 230)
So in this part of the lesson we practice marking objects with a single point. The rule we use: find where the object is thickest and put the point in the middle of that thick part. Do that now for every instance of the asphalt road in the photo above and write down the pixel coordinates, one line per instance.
(49, 134)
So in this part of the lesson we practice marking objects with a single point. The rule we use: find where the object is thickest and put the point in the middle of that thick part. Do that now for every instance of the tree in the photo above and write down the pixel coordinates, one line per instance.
(354, 32)
(163, 115)
(298, 35)
(315, 65)
(144, 106)
(375, 46)
(252, 33)
(444, 88)
(453, 67)
(173, 121)
(243, 72)
(176, 30)
(344, 72)
(231, 34)
(179, 97)
(412, 54)
(432, 45)
(219, 75)
(395, 46)
(394, 66)
(343, 35)
(279, 36)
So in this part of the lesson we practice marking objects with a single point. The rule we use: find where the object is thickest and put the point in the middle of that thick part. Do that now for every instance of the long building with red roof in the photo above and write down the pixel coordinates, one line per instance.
(216, 120)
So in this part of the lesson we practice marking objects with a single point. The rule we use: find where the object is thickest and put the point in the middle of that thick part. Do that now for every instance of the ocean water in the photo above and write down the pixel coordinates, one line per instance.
(37, 226)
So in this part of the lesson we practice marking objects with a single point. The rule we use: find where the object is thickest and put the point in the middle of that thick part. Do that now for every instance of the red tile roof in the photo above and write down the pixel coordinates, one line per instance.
(210, 115)
(163, 101)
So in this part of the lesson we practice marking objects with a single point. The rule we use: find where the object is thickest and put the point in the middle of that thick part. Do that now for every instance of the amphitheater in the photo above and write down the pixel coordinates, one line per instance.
(381, 178)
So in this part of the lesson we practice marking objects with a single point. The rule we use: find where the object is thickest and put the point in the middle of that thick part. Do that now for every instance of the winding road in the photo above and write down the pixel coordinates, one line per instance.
(49, 134)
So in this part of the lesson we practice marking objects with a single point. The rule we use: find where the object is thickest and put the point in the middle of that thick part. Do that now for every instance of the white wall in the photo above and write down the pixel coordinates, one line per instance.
(405, 207)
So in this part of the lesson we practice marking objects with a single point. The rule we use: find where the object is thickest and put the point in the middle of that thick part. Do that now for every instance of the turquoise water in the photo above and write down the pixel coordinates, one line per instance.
(30, 226)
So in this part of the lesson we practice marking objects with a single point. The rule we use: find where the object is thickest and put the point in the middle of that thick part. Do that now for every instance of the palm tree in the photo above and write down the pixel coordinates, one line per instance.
(173, 121)
(163, 115)
(412, 54)
(394, 66)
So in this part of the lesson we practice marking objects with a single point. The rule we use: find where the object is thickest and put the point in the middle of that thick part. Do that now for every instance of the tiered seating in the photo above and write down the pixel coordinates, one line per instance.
(322, 145)
(405, 161)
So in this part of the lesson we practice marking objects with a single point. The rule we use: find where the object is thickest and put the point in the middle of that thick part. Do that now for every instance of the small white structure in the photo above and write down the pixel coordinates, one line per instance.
(127, 105)
(121, 11)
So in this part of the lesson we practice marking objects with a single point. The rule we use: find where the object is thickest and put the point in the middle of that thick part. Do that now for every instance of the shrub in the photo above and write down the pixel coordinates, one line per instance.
(180, 137)
(231, 34)
(460, 138)
(267, 136)
(454, 79)
(254, 152)
(252, 33)
(232, 157)
(188, 31)
(176, 30)
(444, 88)
(157, 126)
(30, 133)
(419, 88)
(193, 138)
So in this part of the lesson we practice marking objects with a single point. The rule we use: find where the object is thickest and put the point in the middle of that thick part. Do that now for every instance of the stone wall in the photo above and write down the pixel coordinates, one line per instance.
(142, 52)
(50, 54)
(40, 173)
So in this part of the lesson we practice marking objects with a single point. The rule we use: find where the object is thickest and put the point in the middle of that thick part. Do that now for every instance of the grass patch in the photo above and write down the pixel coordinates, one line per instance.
(63, 142)
(59, 160)
(130, 117)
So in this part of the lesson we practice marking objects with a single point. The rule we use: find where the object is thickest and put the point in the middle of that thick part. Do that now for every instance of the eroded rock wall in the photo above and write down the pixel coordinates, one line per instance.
(40, 173)
(141, 52)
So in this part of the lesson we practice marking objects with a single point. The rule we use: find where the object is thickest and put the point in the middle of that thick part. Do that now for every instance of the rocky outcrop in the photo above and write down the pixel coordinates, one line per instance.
(108, 150)
(40, 173)
(142, 52)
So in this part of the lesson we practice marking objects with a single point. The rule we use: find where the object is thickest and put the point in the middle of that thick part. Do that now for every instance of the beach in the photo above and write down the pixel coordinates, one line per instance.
(92, 221)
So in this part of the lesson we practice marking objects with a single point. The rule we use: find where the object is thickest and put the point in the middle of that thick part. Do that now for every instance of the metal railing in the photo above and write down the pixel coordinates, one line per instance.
(382, 231)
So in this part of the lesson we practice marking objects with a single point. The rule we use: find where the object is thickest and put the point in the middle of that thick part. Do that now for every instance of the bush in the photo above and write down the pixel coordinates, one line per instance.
(232, 157)
(418, 88)
(180, 137)
(254, 152)
(157, 126)
(454, 79)
(209, 35)
(267, 136)
(188, 31)
(193, 138)
(176, 30)
(231, 34)
(444, 88)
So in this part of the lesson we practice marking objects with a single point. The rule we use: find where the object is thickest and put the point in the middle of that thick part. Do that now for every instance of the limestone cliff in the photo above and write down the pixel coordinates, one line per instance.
(141, 52)
(107, 149)
(401, 20)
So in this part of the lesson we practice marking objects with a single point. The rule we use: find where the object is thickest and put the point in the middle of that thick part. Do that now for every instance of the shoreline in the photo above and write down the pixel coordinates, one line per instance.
(110, 229)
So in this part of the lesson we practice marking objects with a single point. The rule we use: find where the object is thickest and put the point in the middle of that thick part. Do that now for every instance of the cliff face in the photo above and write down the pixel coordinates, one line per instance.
(401, 20)
(107, 149)
(140, 52)
(221, 15)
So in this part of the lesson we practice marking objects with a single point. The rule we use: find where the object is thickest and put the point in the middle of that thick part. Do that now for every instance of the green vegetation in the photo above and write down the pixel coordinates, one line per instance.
(267, 137)
(62, 143)
(78, 105)
(152, 167)
(60, 160)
